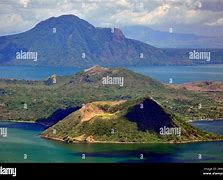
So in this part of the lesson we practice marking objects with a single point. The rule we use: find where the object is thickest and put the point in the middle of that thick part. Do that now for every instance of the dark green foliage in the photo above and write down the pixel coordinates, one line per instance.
(72, 91)
(115, 125)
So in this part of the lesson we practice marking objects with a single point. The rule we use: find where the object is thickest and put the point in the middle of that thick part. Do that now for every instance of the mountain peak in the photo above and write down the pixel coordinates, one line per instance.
(118, 121)
(62, 41)
(71, 18)
(65, 22)
(68, 16)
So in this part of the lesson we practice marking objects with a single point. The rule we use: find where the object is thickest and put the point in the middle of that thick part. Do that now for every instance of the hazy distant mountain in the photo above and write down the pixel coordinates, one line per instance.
(163, 39)
(70, 41)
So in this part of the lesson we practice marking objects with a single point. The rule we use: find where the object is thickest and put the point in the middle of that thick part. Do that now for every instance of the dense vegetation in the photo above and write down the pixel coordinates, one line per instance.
(107, 122)
(43, 98)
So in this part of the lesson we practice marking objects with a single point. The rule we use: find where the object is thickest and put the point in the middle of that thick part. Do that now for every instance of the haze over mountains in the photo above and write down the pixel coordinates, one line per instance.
(174, 39)
(70, 41)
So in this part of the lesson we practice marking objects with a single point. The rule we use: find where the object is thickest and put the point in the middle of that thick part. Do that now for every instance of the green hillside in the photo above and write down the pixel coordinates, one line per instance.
(44, 98)
(137, 121)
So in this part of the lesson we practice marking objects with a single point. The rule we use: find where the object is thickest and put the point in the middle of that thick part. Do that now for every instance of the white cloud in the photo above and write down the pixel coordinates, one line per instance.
(21, 15)
(24, 3)
(218, 22)
(12, 23)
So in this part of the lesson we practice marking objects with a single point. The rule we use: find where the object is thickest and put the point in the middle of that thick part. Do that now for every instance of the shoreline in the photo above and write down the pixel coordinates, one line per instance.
(189, 121)
(203, 120)
(116, 142)
(51, 138)
(19, 121)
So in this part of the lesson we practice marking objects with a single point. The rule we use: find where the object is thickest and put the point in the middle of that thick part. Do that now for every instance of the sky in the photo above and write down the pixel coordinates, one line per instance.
(204, 17)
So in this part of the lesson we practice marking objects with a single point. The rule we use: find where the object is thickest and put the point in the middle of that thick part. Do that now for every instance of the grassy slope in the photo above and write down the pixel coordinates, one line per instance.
(110, 124)
(44, 99)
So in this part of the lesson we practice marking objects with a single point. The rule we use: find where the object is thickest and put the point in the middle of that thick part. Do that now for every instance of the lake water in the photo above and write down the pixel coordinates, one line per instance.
(178, 74)
(34, 73)
(182, 74)
(23, 138)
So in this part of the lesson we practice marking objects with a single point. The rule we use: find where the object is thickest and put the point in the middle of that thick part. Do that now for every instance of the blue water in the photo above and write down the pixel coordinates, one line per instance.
(34, 73)
(23, 138)
(182, 74)
(178, 74)
(210, 126)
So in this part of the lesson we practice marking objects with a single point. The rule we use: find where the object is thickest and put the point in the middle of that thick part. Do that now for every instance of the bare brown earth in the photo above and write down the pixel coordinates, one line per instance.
(90, 110)
(211, 89)
(203, 86)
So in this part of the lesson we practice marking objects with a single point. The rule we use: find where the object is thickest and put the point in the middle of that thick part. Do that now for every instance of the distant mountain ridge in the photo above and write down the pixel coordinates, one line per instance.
(162, 39)
(70, 41)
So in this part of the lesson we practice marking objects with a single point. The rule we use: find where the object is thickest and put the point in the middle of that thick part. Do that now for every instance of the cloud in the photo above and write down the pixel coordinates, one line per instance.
(24, 3)
(218, 22)
(21, 15)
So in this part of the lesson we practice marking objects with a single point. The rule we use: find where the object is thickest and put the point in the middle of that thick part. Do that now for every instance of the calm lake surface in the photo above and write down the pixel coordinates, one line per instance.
(23, 138)
(178, 74)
